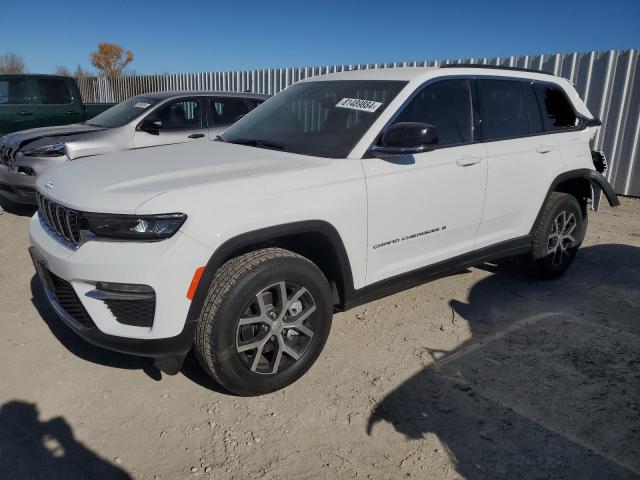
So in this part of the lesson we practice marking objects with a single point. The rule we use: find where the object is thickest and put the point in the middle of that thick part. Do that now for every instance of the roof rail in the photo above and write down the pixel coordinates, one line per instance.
(494, 67)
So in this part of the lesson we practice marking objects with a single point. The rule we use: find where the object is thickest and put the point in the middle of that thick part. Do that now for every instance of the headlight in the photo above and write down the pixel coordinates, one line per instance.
(57, 150)
(135, 227)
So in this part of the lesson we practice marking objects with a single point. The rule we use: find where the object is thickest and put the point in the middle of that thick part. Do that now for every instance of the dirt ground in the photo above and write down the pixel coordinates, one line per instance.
(484, 374)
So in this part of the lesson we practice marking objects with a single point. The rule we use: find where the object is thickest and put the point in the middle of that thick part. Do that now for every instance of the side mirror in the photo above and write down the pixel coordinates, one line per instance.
(239, 117)
(406, 138)
(151, 126)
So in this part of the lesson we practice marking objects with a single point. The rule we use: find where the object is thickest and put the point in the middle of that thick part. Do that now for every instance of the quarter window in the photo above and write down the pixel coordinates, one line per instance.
(54, 91)
(557, 111)
(503, 109)
(13, 91)
(446, 105)
(180, 115)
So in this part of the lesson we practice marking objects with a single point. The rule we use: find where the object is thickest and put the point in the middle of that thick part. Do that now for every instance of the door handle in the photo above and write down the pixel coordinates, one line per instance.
(72, 112)
(196, 135)
(544, 148)
(467, 161)
(24, 113)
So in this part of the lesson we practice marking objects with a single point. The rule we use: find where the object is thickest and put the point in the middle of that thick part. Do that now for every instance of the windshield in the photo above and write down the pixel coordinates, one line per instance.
(123, 112)
(322, 118)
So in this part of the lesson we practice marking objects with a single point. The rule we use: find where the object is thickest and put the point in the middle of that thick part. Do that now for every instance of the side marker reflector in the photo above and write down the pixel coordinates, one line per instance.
(194, 283)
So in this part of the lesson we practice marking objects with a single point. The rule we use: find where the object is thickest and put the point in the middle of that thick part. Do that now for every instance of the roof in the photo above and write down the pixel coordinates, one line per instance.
(181, 93)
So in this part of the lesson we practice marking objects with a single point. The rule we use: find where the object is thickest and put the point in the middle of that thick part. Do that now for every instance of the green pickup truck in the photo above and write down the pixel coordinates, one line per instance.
(30, 101)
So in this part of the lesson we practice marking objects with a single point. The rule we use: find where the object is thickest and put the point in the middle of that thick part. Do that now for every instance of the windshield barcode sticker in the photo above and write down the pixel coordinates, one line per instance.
(142, 105)
(357, 104)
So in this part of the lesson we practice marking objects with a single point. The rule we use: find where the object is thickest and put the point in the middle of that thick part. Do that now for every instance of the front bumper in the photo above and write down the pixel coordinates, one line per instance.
(167, 266)
(17, 187)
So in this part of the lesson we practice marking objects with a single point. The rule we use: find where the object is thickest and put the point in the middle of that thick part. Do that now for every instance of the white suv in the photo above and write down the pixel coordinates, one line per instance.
(339, 190)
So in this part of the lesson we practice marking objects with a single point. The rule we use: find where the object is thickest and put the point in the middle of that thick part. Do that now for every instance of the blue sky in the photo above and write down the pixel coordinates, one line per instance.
(196, 35)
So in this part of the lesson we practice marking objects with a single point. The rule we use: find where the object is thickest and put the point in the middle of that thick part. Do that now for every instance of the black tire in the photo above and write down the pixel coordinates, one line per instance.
(558, 209)
(234, 294)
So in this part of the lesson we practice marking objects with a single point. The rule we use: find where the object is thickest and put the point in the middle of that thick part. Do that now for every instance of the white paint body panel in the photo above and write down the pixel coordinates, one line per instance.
(227, 190)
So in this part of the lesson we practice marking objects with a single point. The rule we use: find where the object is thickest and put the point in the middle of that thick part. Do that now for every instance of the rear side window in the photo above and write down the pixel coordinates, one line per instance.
(557, 111)
(13, 91)
(54, 91)
(225, 111)
(447, 106)
(503, 109)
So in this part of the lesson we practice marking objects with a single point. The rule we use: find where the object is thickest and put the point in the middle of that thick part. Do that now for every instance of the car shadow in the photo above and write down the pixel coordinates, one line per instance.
(81, 348)
(547, 384)
(31, 448)
(17, 208)
(92, 353)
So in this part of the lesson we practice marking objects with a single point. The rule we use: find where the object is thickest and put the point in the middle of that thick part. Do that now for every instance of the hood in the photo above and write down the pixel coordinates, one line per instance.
(57, 134)
(120, 182)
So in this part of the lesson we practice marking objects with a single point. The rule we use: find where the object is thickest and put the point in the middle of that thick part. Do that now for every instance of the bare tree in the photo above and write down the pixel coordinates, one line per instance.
(110, 59)
(81, 72)
(11, 63)
(62, 70)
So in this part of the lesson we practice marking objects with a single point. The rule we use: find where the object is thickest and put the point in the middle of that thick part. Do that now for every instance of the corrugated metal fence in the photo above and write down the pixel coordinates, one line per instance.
(608, 81)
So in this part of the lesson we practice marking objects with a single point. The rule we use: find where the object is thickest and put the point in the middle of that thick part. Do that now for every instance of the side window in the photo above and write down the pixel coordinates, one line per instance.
(503, 109)
(13, 91)
(533, 108)
(447, 106)
(179, 115)
(557, 111)
(54, 91)
(225, 111)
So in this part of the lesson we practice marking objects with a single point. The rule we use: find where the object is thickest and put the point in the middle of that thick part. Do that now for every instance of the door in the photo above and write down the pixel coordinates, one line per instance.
(55, 104)
(427, 207)
(523, 160)
(224, 111)
(177, 121)
(16, 110)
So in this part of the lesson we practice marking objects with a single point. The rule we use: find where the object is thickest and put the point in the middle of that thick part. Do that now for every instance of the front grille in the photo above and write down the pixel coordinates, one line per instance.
(62, 220)
(69, 301)
(138, 313)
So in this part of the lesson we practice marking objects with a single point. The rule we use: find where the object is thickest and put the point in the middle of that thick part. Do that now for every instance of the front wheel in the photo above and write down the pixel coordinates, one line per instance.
(265, 321)
(557, 236)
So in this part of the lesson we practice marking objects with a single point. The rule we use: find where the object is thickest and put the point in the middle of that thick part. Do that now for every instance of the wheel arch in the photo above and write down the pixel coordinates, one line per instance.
(316, 240)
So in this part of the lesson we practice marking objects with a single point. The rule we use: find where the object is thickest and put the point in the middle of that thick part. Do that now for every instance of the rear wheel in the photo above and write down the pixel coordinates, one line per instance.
(558, 235)
(265, 321)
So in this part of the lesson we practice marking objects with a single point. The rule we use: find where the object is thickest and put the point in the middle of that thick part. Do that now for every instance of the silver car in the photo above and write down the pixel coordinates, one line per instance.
(144, 121)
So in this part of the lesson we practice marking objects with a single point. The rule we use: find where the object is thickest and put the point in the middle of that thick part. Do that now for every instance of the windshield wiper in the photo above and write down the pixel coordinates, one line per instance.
(253, 142)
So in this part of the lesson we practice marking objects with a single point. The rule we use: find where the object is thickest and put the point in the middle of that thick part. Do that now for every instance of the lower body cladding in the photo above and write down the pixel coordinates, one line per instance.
(125, 296)
(17, 186)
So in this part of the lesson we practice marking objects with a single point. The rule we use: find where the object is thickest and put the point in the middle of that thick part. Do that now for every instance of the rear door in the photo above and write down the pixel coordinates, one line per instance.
(17, 111)
(56, 104)
(523, 159)
(224, 111)
(182, 120)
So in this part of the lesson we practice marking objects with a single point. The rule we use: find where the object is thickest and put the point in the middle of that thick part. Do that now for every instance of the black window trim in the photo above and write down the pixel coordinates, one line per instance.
(168, 101)
(475, 137)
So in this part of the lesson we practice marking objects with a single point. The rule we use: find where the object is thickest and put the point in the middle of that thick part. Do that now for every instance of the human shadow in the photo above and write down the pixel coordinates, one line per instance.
(34, 449)
(547, 384)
